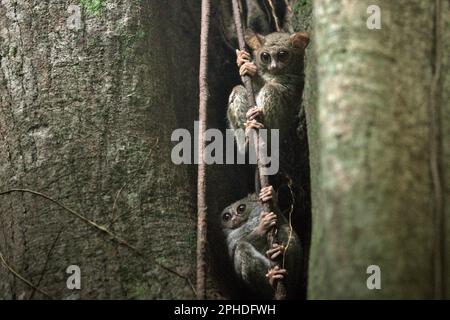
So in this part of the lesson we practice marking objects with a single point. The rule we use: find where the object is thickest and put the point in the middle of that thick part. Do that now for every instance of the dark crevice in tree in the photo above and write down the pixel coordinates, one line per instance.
(234, 182)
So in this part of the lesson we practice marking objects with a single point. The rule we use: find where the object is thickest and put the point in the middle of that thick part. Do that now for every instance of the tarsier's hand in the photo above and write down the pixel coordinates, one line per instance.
(266, 194)
(267, 221)
(276, 274)
(242, 57)
(245, 64)
(253, 115)
(276, 251)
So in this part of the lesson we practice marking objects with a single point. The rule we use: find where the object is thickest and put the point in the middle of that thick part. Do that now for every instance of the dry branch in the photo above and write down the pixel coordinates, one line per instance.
(280, 288)
(201, 182)
(21, 278)
(102, 229)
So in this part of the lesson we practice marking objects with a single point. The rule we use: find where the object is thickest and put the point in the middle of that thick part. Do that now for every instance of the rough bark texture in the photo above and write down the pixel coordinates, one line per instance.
(86, 117)
(374, 198)
(444, 136)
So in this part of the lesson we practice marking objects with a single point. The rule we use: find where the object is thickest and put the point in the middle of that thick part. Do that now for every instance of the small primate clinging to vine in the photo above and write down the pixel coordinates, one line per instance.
(246, 226)
(277, 72)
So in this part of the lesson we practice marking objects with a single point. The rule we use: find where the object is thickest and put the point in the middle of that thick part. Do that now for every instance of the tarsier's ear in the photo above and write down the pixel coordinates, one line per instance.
(253, 40)
(300, 40)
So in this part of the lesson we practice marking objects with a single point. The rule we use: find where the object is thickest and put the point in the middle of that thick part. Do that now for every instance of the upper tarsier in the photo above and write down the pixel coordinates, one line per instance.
(277, 74)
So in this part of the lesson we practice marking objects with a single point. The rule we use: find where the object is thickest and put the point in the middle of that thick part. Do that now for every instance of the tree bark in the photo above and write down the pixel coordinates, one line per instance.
(86, 116)
(381, 126)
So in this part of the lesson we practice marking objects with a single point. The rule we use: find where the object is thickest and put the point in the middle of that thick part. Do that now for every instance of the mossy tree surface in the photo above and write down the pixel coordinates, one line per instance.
(373, 141)
(86, 116)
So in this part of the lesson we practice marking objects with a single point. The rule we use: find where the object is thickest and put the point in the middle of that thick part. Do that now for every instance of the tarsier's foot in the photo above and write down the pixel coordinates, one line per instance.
(276, 274)
(245, 64)
(253, 124)
(254, 113)
(266, 194)
(275, 252)
(267, 221)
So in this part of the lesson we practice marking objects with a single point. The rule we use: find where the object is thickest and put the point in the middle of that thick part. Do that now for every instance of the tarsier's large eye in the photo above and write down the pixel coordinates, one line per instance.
(283, 56)
(241, 208)
(226, 216)
(265, 57)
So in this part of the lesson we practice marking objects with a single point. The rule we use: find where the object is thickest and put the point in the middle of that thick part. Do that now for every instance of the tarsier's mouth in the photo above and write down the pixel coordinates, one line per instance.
(276, 71)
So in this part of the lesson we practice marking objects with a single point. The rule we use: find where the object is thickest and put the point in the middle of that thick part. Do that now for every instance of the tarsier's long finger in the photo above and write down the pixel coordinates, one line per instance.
(270, 252)
(268, 218)
(275, 274)
(242, 57)
(274, 253)
(252, 114)
(246, 71)
(264, 214)
(270, 224)
(271, 215)
(253, 124)
(281, 272)
(266, 191)
(265, 196)
(248, 68)
(276, 247)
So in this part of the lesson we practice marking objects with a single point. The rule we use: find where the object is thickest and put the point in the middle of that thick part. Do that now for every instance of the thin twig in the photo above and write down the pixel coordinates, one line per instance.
(274, 15)
(98, 227)
(201, 178)
(288, 6)
(76, 214)
(46, 263)
(288, 17)
(189, 282)
(18, 276)
(291, 210)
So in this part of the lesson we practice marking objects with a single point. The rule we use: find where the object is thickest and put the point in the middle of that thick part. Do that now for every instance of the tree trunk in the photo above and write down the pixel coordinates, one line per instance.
(86, 115)
(381, 155)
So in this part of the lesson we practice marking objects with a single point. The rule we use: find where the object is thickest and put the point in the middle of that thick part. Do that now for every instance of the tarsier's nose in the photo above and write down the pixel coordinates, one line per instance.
(272, 65)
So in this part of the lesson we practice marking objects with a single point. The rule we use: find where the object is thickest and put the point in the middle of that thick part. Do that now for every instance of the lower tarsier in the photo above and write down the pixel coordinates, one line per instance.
(277, 73)
(246, 226)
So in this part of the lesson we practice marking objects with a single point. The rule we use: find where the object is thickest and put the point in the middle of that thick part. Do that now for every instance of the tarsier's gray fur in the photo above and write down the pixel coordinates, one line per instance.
(277, 92)
(247, 250)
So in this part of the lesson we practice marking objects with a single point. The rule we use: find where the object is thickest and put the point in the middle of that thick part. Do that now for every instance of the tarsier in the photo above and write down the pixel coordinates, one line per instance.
(246, 226)
(277, 76)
